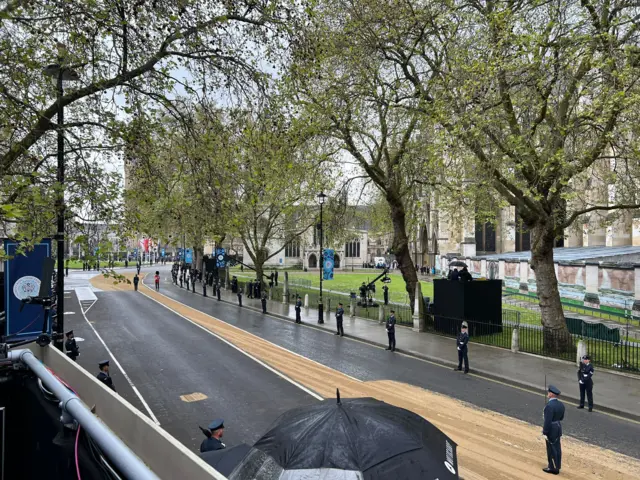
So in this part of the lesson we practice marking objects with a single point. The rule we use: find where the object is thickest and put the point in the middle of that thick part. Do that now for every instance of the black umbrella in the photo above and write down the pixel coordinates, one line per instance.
(226, 459)
(457, 263)
(357, 439)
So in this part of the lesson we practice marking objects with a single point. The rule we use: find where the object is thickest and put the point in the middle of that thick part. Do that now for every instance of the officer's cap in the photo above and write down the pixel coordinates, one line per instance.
(586, 357)
(103, 363)
(465, 325)
(216, 424)
(554, 390)
(70, 332)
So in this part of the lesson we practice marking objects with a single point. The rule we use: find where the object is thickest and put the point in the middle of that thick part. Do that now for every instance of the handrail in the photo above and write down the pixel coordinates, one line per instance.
(115, 449)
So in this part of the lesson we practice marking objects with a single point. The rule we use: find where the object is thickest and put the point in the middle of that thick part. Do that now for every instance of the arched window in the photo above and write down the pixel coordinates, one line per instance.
(313, 261)
(292, 249)
(352, 249)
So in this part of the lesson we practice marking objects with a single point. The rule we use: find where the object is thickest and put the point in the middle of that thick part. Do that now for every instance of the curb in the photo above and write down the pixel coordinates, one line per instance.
(537, 389)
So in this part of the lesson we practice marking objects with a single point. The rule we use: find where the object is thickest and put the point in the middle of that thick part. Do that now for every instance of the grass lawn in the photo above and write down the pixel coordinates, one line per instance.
(77, 264)
(348, 282)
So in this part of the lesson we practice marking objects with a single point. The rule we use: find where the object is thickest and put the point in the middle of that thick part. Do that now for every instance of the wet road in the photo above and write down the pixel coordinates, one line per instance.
(167, 357)
(367, 363)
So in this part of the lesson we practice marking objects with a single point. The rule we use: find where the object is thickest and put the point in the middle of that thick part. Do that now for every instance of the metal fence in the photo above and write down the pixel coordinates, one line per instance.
(622, 355)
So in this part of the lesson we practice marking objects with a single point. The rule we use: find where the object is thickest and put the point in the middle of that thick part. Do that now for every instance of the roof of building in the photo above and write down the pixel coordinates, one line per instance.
(572, 254)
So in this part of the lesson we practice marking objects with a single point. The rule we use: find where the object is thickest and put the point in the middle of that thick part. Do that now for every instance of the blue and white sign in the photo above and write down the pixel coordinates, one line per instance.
(162, 252)
(188, 256)
(21, 280)
(327, 264)
(220, 261)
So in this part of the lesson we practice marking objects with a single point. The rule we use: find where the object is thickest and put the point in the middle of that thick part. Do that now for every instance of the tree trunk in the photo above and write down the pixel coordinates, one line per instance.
(556, 335)
(400, 247)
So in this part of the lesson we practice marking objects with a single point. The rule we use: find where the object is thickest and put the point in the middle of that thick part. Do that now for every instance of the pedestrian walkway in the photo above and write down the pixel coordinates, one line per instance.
(613, 392)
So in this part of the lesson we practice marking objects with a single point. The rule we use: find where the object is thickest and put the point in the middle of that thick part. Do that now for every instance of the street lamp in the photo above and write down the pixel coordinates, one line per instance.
(321, 199)
(61, 74)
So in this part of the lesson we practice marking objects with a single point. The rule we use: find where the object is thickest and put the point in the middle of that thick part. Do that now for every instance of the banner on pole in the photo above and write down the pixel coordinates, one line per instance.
(162, 252)
(220, 261)
(22, 278)
(327, 264)
(188, 257)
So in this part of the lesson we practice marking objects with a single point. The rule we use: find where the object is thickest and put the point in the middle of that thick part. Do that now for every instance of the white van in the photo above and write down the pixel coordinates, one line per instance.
(379, 262)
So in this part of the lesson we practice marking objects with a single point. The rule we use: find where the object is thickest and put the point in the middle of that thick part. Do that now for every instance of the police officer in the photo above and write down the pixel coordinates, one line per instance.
(104, 376)
(385, 291)
(213, 442)
(250, 288)
(71, 346)
(263, 300)
(552, 430)
(586, 382)
(186, 279)
(298, 309)
(391, 330)
(218, 289)
(339, 316)
(461, 341)
(239, 296)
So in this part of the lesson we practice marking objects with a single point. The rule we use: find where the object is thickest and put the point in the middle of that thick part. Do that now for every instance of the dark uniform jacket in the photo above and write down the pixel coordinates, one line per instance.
(339, 314)
(72, 348)
(298, 304)
(211, 443)
(553, 415)
(106, 379)
(391, 324)
(463, 340)
(585, 373)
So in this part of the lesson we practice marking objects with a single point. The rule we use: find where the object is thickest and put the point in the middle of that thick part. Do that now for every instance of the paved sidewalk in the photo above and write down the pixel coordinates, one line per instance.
(615, 393)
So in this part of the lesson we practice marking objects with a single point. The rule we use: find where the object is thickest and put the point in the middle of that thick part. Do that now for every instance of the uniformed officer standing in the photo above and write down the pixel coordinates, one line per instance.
(263, 300)
(186, 279)
(552, 430)
(213, 442)
(104, 376)
(218, 290)
(71, 346)
(250, 288)
(585, 382)
(136, 280)
(385, 291)
(339, 316)
(461, 341)
(298, 309)
(391, 330)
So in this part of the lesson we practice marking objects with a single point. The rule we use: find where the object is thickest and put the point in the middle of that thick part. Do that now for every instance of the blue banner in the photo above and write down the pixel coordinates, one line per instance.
(22, 278)
(327, 264)
(162, 252)
(220, 261)
(188, 256)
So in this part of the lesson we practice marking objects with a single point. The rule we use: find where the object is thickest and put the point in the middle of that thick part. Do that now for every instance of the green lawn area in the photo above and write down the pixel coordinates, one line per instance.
(77, 264)
(348, 282)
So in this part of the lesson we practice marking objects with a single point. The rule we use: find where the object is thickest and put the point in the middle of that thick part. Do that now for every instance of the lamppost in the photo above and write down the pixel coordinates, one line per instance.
(61, 74)
(321, 199)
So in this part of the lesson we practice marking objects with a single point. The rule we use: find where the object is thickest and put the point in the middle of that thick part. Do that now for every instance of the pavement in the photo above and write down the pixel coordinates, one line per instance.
(174, 372)
(616, 393)
(366, 361)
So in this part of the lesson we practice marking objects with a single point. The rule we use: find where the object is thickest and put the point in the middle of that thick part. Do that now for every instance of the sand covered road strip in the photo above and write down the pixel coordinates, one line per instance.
(490, 446)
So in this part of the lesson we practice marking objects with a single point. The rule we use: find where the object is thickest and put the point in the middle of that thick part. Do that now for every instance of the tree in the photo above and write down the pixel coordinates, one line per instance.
(540, 94)
(343, 82)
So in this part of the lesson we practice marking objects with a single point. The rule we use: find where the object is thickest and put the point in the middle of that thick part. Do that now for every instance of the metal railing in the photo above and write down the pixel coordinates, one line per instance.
(623, 355)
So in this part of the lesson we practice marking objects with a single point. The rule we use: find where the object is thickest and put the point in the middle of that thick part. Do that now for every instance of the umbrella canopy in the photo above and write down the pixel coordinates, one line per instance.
(358, 439)
(457, 263)
(226, 459)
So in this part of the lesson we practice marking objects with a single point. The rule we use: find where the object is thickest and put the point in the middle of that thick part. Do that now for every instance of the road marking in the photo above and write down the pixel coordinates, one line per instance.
(193, 397)
(268, 367)
(408, 355)
(124, 373)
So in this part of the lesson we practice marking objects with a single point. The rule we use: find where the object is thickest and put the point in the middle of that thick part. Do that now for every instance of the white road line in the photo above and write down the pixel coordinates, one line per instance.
(260, 362)
(89, 308)
(124, 373)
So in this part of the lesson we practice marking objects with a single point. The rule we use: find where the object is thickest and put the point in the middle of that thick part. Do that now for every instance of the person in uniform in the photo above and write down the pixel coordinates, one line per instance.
(104, 376)
(385, 291)
(136, 279)
(71, 346)
(213, 440)
(391, 330)
(276, 278)
(586, 382)
(186, 279)
(339, 316)
(298, 309)
(552, 430)
(218, 289)
(462, 343)
(263, 300)
(250, 288)
(239, 296)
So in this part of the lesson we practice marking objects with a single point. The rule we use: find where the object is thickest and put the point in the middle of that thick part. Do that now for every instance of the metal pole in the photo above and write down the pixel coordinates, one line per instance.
(321, 264)
(114, 448)
(57, 340)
